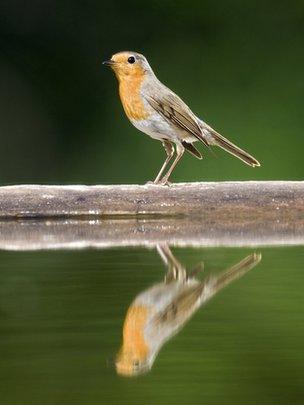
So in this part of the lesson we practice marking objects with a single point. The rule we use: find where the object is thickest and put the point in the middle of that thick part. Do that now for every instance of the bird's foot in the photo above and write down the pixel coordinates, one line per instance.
(164, 182)
(158, 183)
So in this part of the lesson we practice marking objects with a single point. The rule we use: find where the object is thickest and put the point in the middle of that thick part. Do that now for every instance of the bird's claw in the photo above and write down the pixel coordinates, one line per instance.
(165, 183)
(158, 183)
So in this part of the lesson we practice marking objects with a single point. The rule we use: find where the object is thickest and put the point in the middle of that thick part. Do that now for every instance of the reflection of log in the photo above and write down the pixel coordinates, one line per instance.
(101, 233)
(212, 200)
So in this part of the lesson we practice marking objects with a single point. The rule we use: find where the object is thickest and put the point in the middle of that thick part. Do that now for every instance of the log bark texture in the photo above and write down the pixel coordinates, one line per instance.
(224, 200)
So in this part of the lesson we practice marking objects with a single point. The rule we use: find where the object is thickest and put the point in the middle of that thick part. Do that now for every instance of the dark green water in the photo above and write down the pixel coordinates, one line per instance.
(62, 314)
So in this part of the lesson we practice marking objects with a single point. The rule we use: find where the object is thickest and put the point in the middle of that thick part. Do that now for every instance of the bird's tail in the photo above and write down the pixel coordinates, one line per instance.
(229, 147)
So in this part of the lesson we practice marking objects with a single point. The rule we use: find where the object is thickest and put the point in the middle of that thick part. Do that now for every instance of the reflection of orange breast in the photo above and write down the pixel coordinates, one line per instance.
(129, 91)
(134, 347)
(133, 331)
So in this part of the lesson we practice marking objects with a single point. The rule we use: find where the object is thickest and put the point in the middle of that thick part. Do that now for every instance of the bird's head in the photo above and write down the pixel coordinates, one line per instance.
(129, 65)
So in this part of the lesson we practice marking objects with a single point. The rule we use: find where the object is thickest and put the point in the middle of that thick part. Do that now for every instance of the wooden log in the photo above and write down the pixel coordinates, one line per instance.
(224, 200)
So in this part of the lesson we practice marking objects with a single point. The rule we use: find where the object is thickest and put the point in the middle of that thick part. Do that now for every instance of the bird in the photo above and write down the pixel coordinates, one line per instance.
(162, 310)
(160, 113)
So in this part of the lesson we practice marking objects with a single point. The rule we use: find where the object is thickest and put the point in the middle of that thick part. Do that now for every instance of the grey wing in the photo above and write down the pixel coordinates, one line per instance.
(171, 107)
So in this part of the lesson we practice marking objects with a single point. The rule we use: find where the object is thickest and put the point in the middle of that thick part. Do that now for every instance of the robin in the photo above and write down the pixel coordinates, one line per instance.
(159, 312)
(158, 112)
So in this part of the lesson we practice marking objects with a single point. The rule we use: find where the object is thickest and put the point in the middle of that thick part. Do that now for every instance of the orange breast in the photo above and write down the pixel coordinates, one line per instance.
(129, 91)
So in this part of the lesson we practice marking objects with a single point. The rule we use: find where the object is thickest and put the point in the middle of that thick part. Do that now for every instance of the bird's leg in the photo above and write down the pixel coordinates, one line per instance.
(169, 148)
(179, 153)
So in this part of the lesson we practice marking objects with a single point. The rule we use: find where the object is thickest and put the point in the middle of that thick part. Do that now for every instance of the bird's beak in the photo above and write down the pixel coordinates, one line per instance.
(108, 62)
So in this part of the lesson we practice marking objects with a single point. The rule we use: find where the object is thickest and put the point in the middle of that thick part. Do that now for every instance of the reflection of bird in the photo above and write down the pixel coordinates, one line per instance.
(161, 311)
(158, 112)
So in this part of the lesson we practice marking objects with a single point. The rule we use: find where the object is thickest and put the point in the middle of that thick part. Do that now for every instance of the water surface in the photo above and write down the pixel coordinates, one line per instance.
(62, 317)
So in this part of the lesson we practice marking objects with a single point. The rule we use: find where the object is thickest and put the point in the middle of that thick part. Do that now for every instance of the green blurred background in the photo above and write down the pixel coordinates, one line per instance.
(238, 64)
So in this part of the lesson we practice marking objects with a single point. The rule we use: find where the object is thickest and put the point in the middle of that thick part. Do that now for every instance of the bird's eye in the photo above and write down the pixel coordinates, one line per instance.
(131, 59)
